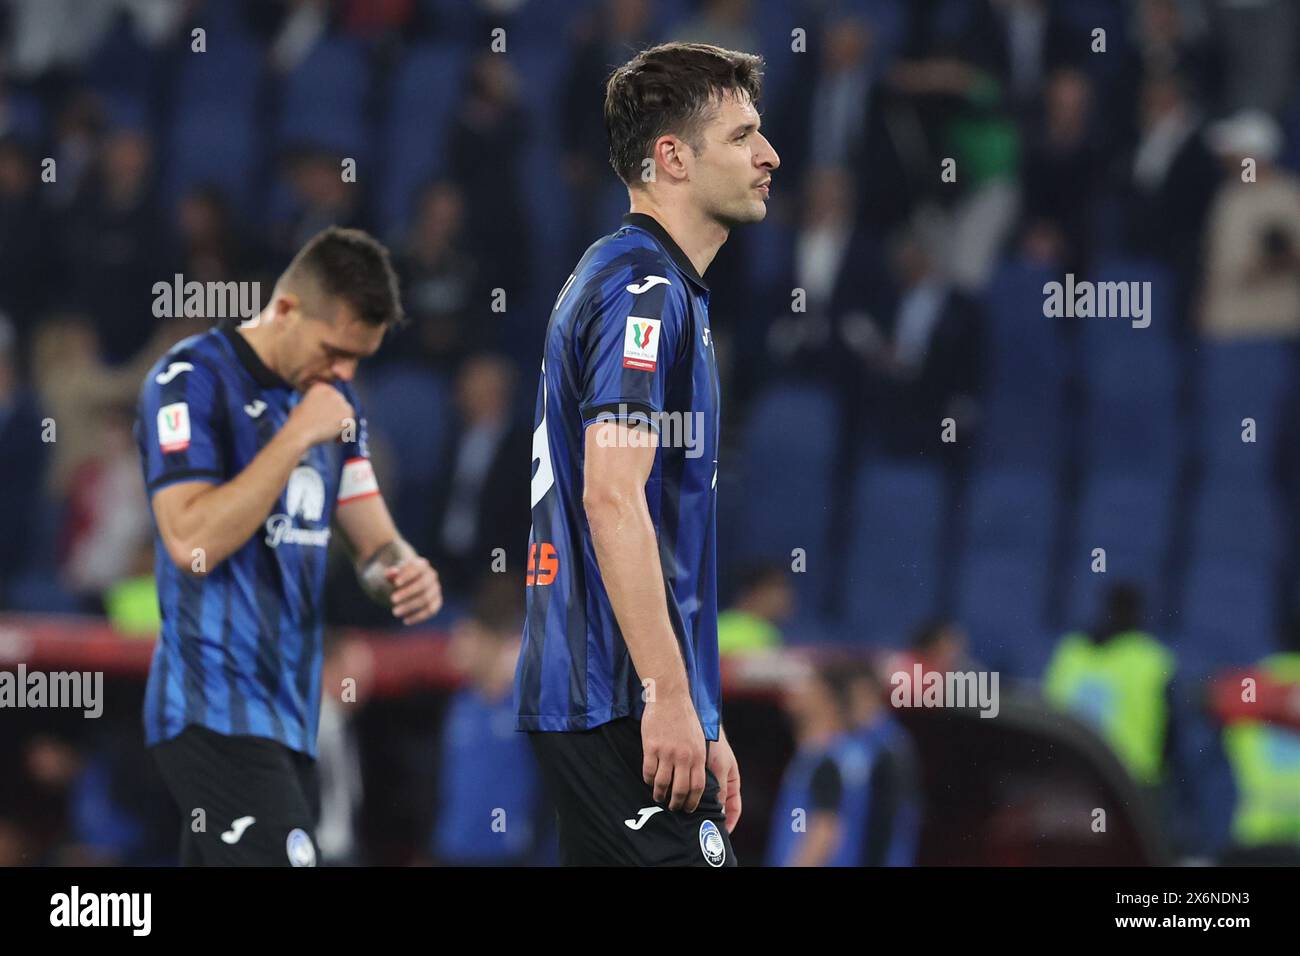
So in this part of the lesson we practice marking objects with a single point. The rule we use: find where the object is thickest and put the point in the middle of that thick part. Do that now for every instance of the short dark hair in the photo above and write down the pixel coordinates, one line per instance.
(670, 88)
(352, 265)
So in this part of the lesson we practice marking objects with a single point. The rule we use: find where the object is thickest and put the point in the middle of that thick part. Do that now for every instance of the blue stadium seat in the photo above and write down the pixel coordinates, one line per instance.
(1240, 380)
(1010, 510)
(1027, 363)
(787, 469)
(1237, 521)
(1132, 519)
(1229, 613)
(408, 408)
(324, 100)
(1001, 600)
(892, 571)
(425, 91)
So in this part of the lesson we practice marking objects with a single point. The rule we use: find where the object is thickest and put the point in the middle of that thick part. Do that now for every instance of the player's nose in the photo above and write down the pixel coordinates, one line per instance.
(344, 369)
(767, 156)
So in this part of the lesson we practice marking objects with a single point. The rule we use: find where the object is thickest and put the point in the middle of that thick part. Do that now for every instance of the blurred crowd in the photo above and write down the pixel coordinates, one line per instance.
(929, 149)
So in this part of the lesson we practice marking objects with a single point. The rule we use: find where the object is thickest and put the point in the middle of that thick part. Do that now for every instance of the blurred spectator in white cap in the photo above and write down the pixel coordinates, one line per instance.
(1252, 264)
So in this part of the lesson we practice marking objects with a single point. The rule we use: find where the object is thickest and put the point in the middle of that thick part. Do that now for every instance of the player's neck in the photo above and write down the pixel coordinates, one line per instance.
(259, 337)
(698, 235)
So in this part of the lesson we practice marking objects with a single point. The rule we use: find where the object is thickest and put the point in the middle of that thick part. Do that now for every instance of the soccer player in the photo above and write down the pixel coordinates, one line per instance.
(618, 680)
(252, 442)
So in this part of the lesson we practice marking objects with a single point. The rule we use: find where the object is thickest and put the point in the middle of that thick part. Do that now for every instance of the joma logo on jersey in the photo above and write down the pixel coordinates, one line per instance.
(543, 563)
(641, 343)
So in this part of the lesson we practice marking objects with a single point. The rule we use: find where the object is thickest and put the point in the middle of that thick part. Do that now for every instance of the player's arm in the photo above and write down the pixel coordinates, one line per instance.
(617, 463)
(387, 566)
(202, 523)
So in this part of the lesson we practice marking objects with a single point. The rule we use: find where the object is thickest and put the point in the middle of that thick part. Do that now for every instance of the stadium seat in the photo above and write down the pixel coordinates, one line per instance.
(1010, 510)
(407, 406)
(892, 567)
(1240, 380)
(324, 100)
(425, 90)
(1001, 600)
(1132, 519)
(1237, 521)
(1229, 613)
(787, 466)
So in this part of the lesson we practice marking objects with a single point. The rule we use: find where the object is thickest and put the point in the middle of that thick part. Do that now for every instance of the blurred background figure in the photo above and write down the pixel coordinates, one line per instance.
(1265, 761)
(820, 816)
(347, 676)
(1118, 678)
(483, 505)
(765, 600)
(894, 804)
(1252, 262)
(490, 809)
(443, 295)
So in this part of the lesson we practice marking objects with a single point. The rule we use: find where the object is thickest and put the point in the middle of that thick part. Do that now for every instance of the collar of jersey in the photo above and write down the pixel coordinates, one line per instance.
(262, 375)
(651, 225)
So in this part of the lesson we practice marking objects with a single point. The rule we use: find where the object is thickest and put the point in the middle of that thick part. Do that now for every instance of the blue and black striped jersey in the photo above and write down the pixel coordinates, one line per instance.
(628, 339)
(240, 646)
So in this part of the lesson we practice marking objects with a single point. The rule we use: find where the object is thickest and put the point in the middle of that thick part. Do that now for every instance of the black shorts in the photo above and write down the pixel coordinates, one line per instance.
(260, 800)
(607, 812)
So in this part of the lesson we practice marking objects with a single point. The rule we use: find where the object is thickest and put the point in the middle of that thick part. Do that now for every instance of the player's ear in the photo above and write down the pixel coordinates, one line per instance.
(672, 155)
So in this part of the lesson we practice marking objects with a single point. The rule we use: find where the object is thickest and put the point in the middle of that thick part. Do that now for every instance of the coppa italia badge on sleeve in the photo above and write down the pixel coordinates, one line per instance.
(641, 343)
(174, 427)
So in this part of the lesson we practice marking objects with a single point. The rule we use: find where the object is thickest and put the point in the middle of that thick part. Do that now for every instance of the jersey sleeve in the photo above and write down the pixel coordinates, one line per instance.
(628, 346)
(357, 479)
(178, 425)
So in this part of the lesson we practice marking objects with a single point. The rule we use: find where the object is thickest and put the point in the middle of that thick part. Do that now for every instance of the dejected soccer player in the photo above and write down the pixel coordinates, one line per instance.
(618, 678)
(252, 442)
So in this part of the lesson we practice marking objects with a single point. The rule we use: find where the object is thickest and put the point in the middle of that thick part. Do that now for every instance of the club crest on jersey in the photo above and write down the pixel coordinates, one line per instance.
(712, 845)
(304, 498)
(299, 848)
(174, 427)
(641, 343)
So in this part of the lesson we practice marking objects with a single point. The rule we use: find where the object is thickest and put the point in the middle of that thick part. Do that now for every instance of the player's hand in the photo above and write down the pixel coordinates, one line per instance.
(724, 766)
(417, 592)
(321, 414)
(672, 742)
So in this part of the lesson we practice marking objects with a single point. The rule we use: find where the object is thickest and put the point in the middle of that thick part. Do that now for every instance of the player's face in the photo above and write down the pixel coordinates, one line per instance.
(329, 347)
(733, 169)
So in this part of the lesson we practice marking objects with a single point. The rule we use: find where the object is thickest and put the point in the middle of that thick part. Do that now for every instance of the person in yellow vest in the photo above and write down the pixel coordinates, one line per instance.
(1265, 762)
(1118, 679)
(764, 601)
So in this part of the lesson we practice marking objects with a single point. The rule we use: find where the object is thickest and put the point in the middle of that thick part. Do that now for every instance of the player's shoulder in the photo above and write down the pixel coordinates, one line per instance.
(198, 356)
(627, 265)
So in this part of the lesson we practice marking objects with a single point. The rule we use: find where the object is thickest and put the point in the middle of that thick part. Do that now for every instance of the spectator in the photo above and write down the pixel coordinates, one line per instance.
(764, 601)
(486, 146)
(321, 199)
(1171, 180)
(444, 298)
(25, 253)
(116, 246)
(483, 505)
(22, 466)
(1062, 173)
(1252, 257)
